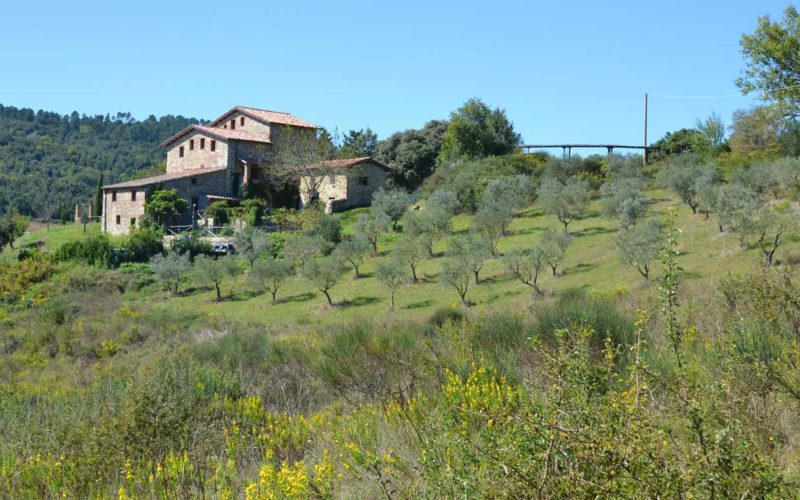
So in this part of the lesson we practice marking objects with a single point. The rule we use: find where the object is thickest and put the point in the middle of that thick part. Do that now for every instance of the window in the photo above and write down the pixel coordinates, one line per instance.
(133, 222)
(195, 203)
(191, 144)
(133, 195)
(202, 144)
(119, 219)
(364, 181)
(180, 152)
(194, 181)
(113, 196)
(213, 145)
(233, 124)
(241, 121)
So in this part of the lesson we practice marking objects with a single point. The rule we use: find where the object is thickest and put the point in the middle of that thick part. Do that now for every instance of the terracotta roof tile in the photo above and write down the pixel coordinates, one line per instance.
(147, 181)
(218, 133)
(352, 162)
(277, 117)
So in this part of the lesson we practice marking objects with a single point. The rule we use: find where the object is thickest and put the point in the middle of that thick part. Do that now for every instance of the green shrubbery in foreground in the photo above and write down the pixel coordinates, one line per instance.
(575, 398)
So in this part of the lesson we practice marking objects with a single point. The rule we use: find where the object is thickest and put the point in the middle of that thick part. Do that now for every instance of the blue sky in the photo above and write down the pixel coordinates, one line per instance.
(564, 71)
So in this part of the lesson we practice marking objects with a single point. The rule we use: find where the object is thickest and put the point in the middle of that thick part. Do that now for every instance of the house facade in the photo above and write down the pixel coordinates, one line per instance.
(205, 163)
(347, 184)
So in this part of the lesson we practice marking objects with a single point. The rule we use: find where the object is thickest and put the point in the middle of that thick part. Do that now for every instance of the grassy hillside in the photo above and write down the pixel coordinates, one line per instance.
(592, 264)
(110, 387)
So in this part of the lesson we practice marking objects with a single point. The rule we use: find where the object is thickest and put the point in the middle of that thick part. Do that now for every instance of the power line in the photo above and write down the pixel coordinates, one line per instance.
(719, 96)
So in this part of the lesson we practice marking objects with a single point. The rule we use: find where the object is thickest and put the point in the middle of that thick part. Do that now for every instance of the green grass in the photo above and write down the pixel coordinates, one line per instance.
(48, 238)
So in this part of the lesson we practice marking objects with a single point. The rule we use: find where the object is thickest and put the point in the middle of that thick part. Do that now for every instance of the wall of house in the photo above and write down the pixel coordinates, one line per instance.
(197, 158)
(359, 195)
(253, 152)
(345, 190)
(120, 215)
(251, 126)
(214, 183)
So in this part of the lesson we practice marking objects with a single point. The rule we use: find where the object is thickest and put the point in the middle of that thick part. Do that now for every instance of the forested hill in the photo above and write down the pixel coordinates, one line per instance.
(48, 160)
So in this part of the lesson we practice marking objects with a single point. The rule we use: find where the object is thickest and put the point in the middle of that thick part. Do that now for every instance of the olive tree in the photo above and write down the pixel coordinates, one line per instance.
(641, 245)
(554, 246)
(323, 273)
(409, 252)
(526, 265)
(456, 273)
(730, 201)
(566, 201)
(473, 250)
(354, 251)
(625, 200)
(214, 270)
(372, 227)
(491, 221)
(680, 176)
(171, 269)
(270, 274)
(393, 203)
(252, 244)
(766, 227)
(301, 248)
(393, 276)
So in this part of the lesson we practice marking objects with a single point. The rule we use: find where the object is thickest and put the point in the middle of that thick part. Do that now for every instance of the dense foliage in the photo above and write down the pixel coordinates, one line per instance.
(49, 161)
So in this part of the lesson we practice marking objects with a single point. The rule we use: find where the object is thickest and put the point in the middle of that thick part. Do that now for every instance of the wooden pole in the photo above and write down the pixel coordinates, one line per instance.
(644, 154)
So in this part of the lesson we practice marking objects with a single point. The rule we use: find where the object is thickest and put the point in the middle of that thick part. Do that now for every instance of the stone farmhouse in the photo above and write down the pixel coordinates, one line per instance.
(208, 163)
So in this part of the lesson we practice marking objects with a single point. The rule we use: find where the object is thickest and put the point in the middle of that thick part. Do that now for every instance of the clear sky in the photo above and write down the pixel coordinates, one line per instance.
(564, 71)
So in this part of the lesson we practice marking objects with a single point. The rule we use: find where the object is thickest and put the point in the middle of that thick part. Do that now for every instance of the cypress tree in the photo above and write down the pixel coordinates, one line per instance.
(98, 197)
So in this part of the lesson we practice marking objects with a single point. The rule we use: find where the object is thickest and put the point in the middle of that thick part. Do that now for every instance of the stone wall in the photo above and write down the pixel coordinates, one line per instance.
(251, 126)
(120, 215)
(197, 158)
(346, 190)
(359, 195)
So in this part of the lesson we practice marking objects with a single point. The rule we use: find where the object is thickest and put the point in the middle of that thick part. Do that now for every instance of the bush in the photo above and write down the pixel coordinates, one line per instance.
(192, 244)
(144, 244)
(574, 308)
(447, 314)
(92, 250)
(219, 211)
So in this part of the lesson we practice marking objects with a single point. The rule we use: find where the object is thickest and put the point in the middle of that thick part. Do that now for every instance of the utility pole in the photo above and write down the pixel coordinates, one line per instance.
(644, 154)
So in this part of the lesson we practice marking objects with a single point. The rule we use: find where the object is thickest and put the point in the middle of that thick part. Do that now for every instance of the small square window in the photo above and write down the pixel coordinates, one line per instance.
(241, 121)
(180, 152)
(133, 222)
(113, 196)
(213, 145)
(364, 181)
(202, 144)
(133, 195)
(194, 181)
(119, 219)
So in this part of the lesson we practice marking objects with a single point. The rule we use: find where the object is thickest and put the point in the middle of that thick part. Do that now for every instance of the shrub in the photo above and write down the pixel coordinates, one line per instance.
(144, 244)
(577, 309)
(193, 244)
(446, 314)
(219, 211)
(92, 250)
